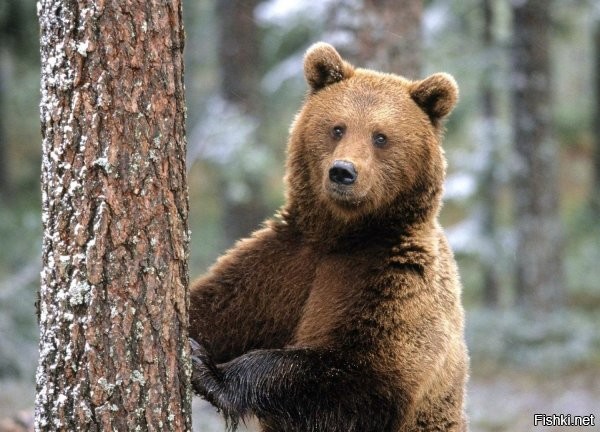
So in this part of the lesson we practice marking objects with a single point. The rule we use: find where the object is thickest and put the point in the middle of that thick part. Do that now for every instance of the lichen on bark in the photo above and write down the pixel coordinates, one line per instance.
(113, 300)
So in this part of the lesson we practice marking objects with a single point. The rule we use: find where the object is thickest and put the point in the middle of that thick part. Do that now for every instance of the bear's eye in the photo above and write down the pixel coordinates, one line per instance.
(337, 132)
(380, 140)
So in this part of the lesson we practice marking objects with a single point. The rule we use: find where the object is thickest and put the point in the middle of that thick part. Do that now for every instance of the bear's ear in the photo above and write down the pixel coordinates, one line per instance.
(436, 95)
(324, 66)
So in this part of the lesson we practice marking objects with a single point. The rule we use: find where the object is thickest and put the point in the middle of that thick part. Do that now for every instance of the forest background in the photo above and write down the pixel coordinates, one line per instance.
(533, 339)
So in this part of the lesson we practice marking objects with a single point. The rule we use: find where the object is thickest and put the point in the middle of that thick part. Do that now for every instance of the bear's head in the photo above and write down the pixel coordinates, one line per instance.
(366, 145)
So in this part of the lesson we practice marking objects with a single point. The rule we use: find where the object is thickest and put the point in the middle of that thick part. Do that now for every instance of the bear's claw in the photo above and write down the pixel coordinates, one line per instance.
(206, 376)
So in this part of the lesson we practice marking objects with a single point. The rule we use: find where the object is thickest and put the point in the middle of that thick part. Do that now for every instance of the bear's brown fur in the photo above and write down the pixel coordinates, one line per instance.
(344, 312)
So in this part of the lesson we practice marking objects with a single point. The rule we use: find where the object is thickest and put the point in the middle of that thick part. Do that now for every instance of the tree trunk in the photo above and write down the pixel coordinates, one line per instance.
(239, 59)
(539, 274)
(386, 35)
(490, 187)
(113, 300)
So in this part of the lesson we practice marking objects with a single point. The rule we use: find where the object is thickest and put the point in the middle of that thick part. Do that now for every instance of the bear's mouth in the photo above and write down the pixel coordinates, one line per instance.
(345, 196)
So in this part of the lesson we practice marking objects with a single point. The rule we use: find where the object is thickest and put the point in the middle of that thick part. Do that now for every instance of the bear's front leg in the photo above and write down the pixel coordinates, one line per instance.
(295, 389)
(207, 382)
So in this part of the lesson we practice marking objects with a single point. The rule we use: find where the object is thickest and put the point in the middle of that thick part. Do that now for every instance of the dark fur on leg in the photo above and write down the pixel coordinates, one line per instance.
(295, 390)
(207, 382)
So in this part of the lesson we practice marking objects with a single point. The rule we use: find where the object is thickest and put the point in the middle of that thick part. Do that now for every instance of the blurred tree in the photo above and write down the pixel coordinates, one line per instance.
(239, 53)
(16, 25)
(239, 62)
(113, 302)
(19, 187)
(539, 236)
(391, 37)
(596, 74)
(383, 34)
(489, 184)
(5, 183)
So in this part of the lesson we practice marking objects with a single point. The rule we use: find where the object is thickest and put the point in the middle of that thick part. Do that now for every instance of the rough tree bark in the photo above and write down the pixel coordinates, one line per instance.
(113, 300)
(239, 55)
(539, 274)
(388, 34)
(489, 183)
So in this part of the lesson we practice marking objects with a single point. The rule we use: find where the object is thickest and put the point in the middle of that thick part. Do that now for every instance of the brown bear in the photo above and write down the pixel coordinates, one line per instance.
(343, 313)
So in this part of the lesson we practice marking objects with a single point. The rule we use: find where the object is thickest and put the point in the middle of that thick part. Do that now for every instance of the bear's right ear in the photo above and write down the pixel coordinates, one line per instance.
(324, 66)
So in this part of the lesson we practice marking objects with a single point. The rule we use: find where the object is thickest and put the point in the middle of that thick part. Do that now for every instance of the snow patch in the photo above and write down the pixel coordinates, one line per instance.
(285, 70)
(228, 142)
(285, 13)
(462, 236)
(460, 186)
(435, 19)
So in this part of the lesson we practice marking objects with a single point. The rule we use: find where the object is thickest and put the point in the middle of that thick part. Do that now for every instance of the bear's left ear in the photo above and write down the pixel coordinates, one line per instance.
(436, 95)
(324, 66)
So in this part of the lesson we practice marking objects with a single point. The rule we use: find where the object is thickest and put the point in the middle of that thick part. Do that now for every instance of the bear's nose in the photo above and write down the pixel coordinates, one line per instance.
(342, 172)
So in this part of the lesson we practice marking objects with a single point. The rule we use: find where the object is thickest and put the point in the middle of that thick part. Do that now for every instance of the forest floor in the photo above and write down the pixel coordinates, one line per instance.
(507, 401)
(504, 401)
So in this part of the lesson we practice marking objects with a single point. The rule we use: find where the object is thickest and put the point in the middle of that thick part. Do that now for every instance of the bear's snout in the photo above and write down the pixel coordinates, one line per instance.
(342, 172)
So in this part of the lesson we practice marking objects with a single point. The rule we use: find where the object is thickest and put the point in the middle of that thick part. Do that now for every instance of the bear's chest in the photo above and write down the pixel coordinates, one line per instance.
(341, 290)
